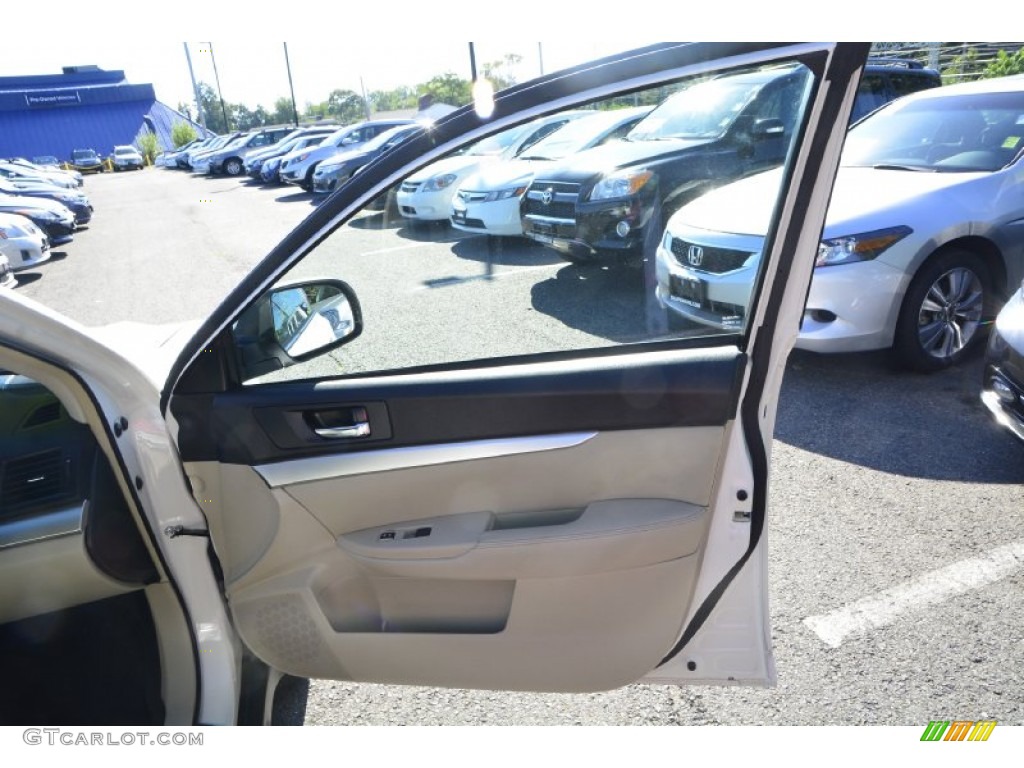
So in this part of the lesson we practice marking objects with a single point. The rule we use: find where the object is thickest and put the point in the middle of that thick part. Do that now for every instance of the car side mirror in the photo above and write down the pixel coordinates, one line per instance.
(294, 323)
(768, 127)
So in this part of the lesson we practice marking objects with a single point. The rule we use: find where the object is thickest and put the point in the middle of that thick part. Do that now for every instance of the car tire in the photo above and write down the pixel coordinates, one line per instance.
(233, 166)
(943, 312)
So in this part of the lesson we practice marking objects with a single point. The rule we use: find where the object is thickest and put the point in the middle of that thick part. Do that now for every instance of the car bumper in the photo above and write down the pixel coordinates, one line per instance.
(604, 231)
(1003, 381)
(23, 253)
(435, 205)
(59, 232)
(7, 278)
(850, 308)
(497, 217)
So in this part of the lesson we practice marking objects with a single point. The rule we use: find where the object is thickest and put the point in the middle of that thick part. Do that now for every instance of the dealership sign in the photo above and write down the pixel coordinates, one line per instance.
(53, 99)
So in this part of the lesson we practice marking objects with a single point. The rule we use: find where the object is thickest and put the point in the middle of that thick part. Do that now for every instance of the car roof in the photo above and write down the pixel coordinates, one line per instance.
(1010, 84)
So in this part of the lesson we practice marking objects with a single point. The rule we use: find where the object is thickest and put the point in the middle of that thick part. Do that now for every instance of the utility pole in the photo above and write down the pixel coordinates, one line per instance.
(223, 109)
(195, 88)
(288, 64)
(540, 56)
(472, 63)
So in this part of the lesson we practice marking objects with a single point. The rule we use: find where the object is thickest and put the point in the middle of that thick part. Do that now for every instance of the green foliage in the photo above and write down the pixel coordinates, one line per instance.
(343, 105)
(448, 88)
(182, 134)
(149, 147)
(963, 67)
(1005, 64)
(501, 73)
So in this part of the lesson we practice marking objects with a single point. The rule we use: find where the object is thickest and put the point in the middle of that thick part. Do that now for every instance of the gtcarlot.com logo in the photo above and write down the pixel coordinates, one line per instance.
(958, 730)
(72, 738)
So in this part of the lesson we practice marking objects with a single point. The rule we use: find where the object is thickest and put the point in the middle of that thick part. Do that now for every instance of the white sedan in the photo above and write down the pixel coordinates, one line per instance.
(427, 195)
(488, 200)
(22, 242)
(922, 238)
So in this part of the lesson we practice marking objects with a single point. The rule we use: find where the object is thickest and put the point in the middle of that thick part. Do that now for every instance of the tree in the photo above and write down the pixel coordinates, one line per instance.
(346, 106)
(448, 88)
(501, 73)
(182, 133)
(149, 147)
(1005, 64)
(283, 112)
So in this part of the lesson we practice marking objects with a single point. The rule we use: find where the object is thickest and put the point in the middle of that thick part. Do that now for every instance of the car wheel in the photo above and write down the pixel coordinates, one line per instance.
(233, 166)
(942, 313)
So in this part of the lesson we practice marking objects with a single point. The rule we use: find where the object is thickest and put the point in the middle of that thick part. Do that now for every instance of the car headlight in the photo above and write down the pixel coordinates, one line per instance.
(621, 184)
(302, 157)
(861, 247)
(439, 182)
(504, 194)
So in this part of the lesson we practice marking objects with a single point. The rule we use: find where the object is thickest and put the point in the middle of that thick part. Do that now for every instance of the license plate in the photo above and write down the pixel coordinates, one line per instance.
(543, 228)
(689, 290)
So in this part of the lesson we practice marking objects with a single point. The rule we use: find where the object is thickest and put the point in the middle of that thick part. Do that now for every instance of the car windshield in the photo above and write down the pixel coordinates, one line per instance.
(702, 111)
(573, 136)
(124, 151)
(960, 133)
(500, 142)
(83, 154)
(380, 140)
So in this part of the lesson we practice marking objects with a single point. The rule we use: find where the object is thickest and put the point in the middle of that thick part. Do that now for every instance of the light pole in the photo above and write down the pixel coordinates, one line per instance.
(288, 64)
(216, 77)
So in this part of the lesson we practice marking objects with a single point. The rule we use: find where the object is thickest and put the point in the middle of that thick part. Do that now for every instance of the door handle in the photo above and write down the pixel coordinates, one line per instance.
(340, 423)
(359, 429)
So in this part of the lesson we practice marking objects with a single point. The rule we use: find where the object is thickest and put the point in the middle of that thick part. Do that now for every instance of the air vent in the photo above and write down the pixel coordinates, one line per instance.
(44, 414)
(34, 479)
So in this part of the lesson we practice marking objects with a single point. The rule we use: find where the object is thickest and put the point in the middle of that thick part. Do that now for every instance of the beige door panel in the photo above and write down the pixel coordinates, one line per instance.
(594, 562)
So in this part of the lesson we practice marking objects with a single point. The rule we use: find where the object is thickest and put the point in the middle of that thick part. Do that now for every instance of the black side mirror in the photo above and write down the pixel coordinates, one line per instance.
(293, 323)
(769, 127)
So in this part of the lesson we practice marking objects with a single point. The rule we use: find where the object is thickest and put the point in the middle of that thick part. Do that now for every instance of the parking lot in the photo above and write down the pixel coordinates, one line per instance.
(896, 504)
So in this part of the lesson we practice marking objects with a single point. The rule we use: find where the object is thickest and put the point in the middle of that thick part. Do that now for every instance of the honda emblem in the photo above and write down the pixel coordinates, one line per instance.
(695, 255)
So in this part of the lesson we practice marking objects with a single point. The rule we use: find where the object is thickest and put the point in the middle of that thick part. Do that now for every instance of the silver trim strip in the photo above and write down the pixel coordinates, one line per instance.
(63, 522)
(284, 473)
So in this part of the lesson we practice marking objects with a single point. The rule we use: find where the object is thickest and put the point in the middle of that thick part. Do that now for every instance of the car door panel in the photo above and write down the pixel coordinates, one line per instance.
(565, 522)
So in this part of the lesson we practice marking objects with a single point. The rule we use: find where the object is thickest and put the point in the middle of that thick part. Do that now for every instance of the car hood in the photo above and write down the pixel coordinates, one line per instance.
(343, 157)
(745, 207)
(608, 158)
(17, 201)
(497, 176)
(457, 164)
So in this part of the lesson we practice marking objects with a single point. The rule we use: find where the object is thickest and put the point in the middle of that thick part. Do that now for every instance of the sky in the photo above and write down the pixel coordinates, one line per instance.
(254, 73)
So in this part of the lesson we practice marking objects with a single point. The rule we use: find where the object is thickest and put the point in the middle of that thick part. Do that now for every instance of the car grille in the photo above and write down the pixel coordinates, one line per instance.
(561, 200)
(411, 186)
(703, 258)
(471, 197)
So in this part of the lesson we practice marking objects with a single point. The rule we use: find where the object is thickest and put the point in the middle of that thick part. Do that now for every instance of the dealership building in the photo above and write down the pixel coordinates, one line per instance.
(82, 108)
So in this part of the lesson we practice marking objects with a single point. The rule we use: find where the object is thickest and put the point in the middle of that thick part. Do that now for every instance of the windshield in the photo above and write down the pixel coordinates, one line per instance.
(124, 151)
(961, 133)
(702, 111)
(83, 154)
(379, 141)
(574, 136)
(495, 145)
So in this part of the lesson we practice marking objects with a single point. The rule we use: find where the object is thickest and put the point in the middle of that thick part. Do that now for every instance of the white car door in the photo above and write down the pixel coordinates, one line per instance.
(473, 492)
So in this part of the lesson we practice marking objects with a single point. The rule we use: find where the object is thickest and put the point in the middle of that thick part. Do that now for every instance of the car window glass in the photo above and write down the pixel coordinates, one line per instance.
(433, 293)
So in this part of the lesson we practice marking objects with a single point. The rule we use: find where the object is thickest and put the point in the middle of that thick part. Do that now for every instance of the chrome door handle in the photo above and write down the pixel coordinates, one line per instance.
(359, 429)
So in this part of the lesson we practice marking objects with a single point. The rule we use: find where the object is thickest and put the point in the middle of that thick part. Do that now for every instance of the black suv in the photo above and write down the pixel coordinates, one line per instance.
(887, 79)
(609, 204)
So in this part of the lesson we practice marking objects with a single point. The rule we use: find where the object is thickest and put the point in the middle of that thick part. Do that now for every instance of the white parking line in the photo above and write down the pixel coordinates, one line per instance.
(928, 589)
(458, 280)
(397, 248)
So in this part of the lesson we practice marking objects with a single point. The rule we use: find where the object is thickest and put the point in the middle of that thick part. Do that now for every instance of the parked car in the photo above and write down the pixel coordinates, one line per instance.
(22, 243)
(77, 202)
(336, 170)
(231, 159)
(187, 158)
(15, 172)
(126, 158)
(179, 530)
(87, 161)
(254, 164)
(7, 278)
(427, 195)
(885, 80)
(1003, 383)
(488, 200)
(46, 161)
(55, 219)
(922, 239)
(298, 166)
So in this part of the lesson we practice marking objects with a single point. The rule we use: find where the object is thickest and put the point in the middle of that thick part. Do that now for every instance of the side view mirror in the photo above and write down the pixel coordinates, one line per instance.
(293, 323)
(767, 128)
